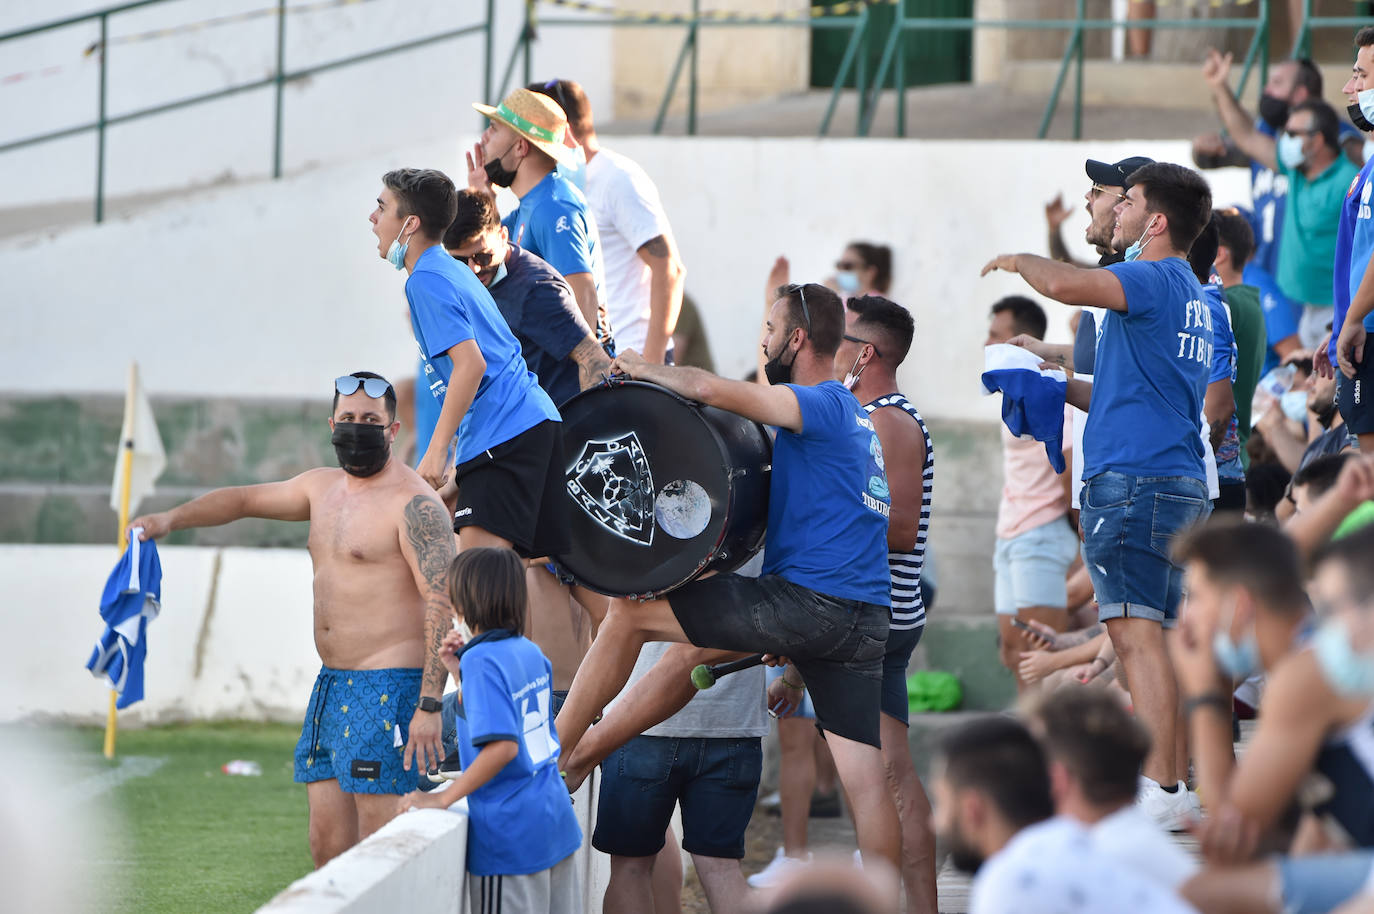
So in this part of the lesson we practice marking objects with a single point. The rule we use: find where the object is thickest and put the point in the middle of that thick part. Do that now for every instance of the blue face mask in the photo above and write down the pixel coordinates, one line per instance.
(396, 254)
(848, 281)
(1134, 251)
(1294, 405)
(1289, 150)
(1235, 660)
(1348, 672)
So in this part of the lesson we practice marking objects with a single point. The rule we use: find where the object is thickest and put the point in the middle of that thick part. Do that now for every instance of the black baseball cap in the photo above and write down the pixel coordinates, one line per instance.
(1115, 175)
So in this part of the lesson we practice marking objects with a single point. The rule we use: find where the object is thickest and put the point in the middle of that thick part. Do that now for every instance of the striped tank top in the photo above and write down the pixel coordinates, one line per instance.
(908, 611)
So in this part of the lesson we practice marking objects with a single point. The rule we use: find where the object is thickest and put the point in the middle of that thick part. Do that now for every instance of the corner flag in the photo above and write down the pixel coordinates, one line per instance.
(141, 458)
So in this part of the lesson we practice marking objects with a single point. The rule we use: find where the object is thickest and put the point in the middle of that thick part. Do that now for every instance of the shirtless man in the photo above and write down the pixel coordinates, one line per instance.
(381, 543)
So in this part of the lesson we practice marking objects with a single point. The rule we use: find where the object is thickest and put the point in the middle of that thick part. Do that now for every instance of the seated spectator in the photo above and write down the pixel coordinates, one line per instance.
(1315, 480)
(1063, 656)
(994, 811)
(1344, 509)
(1095, 748)
(1265, 486)
(1294, 451)
(1246, 612)
(1322, 871)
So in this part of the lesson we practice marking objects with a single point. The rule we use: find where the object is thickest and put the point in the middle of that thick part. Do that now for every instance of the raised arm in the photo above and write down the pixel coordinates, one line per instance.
(773, 404)
(667, 279)
(288, 500)
(1216, 69)
(426, 537)
(1063, 282)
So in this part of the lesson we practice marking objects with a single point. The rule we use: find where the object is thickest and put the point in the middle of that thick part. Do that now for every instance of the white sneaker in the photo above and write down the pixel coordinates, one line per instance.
(772, 801)
(1171, 811)
(780, 866)
(1194, 803)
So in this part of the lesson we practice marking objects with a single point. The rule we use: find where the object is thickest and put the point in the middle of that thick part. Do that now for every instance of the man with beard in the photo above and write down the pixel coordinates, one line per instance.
(994, 812)
(380, 543)
(1293, 451)
(823, 599)
(521, 149)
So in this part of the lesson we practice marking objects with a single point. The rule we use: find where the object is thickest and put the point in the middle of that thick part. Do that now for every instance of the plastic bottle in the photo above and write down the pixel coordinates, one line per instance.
(1269, 390)
(242, 767)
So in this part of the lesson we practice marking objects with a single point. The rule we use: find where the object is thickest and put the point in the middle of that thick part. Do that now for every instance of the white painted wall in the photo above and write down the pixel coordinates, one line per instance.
(47, 84)
(280, 282)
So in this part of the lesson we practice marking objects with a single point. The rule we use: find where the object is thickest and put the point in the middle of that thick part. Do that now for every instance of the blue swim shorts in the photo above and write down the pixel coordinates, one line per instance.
(356, 728)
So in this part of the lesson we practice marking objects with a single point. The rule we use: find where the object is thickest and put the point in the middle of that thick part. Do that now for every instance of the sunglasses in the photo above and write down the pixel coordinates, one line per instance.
(800, 289)
(373, 387)
(1099, 189)
(482, 259)
(854, 339)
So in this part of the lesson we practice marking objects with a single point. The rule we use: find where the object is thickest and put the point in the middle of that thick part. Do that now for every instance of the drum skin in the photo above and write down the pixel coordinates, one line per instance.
(662, 489)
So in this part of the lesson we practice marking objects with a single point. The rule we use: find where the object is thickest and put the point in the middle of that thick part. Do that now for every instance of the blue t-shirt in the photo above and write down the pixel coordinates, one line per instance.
(449, 305)
(1224, 369)
(1354, 246)
(426, 412)
(539, 307)
(828, 500)
(521, 820)
(1268, 194)
(553, 223)
(1153, 361)
(1281, 316)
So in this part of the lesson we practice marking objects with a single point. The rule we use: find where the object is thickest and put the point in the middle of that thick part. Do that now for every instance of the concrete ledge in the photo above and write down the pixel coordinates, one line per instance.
(414, 863)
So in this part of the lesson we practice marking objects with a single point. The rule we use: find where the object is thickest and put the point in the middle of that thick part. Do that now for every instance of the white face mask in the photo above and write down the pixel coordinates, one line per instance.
(852, 376)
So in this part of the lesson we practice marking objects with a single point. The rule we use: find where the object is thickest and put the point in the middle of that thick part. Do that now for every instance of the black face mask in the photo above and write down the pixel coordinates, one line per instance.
(1273, 111)
(497, 173)
(1358, 119)
(776, 372)
(362, 449)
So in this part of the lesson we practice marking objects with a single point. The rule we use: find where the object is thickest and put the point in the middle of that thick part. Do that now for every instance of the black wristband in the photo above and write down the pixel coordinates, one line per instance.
(429, 705)
(1207, 699)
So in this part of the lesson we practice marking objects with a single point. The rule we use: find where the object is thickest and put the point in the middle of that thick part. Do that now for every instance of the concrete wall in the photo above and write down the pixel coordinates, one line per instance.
(394, 101)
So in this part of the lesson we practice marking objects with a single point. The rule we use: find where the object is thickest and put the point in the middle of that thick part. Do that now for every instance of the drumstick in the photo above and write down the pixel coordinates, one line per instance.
(703, 676)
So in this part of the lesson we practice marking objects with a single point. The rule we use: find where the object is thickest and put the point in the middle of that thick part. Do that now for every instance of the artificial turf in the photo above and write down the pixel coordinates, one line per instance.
(200, 840)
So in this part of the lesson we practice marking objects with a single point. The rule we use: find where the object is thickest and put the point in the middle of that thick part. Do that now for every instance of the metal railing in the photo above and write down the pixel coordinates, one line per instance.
(1302, 41)
(893, 58)
(277, 81)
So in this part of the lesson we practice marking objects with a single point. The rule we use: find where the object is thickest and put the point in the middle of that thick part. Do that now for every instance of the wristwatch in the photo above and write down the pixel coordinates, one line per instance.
(430, 704)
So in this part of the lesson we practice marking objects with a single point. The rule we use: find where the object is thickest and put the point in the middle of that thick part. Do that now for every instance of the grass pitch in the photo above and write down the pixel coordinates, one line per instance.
(198, 840)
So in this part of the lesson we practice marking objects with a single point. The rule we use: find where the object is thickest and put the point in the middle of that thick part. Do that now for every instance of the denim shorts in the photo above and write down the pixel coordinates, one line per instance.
(715, 779)
(900, 644)
(1321, 882)
(1030, 567)
(836, 644)
(1129, 524)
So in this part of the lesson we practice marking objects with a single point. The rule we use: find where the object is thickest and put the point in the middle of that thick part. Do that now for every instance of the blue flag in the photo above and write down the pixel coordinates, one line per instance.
(1032, 397)
(129, 603)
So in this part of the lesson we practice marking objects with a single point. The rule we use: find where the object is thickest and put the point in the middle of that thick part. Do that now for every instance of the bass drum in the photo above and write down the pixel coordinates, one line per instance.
(662, 489)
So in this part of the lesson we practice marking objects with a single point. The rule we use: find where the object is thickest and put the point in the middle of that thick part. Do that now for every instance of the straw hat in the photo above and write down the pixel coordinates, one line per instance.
(535, 117)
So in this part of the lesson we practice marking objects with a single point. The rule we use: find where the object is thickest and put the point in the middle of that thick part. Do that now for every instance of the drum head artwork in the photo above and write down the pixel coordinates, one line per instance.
(661, 488)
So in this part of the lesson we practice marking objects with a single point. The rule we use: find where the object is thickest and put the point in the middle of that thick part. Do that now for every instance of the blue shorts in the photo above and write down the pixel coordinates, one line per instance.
(356, 728)
(1030, 568)
(900, 644)
(716, 780)
(1129, 524)
(1321, 882)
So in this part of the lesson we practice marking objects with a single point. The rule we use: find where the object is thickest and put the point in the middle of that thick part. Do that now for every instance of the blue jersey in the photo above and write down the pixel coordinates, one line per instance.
(1281, 316)
(1354, 246)
(1153, 361)
(1224, 369)
(130, 601)
(553, 223)
(828, 500)
(448, 306)
(1268, 194)
(521, 820)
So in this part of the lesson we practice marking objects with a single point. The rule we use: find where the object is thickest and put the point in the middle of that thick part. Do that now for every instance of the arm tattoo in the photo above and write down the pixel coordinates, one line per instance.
(430, 535)
(591, 361)
(656, 246)
(1073, 639)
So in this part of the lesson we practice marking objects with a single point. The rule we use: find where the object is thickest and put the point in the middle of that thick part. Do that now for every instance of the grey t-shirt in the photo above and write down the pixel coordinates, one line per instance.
(733, 707)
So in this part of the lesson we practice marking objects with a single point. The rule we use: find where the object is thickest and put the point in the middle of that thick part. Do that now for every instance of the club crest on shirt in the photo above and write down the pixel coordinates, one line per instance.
(562, 224)
(611, 482)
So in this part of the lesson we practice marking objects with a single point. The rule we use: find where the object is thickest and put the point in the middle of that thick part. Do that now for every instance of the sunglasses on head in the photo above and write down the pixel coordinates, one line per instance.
(800, 289)
(373, 387)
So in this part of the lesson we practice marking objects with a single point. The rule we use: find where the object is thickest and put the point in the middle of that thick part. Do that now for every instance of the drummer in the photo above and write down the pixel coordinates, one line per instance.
(823, 598)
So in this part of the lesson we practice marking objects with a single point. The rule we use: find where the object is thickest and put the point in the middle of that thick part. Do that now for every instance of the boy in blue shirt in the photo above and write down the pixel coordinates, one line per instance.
(824, 596)
(1144, 477)
(523, 831)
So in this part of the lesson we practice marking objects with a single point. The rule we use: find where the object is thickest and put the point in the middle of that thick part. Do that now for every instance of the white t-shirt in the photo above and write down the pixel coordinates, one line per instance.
(1053, 868)
(1132, 839)
(628, 214)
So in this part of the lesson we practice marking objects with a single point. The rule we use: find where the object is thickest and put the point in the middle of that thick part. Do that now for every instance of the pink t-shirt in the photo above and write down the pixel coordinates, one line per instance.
(1033, 493)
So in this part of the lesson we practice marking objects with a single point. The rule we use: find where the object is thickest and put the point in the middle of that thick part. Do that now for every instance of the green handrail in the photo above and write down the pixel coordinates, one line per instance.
(277, 80)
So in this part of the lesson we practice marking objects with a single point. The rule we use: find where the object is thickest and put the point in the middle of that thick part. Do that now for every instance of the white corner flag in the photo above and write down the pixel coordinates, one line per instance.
(139, 445)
